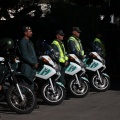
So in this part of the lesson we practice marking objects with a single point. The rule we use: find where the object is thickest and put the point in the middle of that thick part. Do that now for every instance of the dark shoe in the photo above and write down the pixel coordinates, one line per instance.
(37, 106)
(67, 97)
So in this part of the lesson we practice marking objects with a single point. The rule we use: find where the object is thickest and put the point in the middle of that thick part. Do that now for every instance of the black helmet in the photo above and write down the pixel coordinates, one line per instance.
(6, 44)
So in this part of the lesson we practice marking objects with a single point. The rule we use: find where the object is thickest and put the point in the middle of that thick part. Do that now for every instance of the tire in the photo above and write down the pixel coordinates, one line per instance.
(97, 86)
(75, 90)
(15, 102)
(52, 98)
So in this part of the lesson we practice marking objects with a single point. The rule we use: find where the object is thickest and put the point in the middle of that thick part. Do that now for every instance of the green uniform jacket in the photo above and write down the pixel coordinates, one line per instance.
(58, 46)
(27, 52)
(75, 46)
(99, 47)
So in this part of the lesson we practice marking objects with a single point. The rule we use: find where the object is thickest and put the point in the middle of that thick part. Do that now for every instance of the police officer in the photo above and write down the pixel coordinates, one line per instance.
(28, 55)
(74, 43)
(98, 45)
(58, 46)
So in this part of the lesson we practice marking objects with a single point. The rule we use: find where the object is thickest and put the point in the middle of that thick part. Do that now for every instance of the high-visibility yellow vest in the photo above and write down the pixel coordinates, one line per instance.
(63, 57)
(78, 45)
(102, 46)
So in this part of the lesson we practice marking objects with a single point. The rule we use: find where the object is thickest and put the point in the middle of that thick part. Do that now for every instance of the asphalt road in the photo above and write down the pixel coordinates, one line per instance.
(95, 106)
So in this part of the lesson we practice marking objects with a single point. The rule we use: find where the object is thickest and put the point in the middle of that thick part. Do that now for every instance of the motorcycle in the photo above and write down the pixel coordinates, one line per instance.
(77, 82)
(19, 96)
(46, 81)
(95, 65)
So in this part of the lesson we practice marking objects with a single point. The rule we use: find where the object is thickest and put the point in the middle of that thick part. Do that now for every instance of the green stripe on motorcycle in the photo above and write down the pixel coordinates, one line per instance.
(84, 78)
(70, 68)
(106, 75)
(59, 83)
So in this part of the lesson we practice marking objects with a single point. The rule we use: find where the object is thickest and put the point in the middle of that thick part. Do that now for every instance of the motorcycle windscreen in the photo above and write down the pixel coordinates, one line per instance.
(72, 69)
(94, 65)
(46, 72)
(51, 52)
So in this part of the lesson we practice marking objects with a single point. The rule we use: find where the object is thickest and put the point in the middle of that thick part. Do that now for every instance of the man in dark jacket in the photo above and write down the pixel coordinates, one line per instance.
(28, 55)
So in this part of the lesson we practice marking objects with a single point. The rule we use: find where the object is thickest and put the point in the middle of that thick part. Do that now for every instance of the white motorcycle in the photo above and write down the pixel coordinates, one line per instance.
(95, 64)
(46, 81)
(76, 82)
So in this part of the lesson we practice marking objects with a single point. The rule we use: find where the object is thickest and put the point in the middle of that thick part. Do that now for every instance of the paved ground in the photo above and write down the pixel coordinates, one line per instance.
(95, 106)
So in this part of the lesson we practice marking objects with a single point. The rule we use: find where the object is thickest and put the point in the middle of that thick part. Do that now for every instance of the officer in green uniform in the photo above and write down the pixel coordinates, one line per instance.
(58, 46)
(28, 55)
(98, 45)
(74, 43)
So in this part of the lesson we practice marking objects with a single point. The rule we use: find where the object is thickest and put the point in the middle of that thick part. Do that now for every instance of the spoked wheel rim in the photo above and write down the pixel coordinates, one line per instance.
(79, 90)
(53, 97)
(20, 104)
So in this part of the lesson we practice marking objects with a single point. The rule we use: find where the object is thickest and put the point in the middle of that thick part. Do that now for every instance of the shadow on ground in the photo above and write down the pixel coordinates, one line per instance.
(5, 109)
(115, 84)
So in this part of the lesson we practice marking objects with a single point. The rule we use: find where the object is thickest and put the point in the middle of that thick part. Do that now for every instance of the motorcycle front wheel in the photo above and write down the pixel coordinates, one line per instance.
(97, 85)
(16, 103)
(50, 97)
(76, 90)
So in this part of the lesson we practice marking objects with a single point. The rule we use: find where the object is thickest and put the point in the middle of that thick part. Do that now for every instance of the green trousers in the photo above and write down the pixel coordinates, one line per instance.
(62, 75)
(29, 72)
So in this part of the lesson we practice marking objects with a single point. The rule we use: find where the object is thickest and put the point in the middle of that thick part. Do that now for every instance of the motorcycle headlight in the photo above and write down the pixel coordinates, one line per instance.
(92, 55)
(44, 60)
(71, 58)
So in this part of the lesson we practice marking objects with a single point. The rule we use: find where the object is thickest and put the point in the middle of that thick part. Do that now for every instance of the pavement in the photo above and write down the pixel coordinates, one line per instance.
(95, 106)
